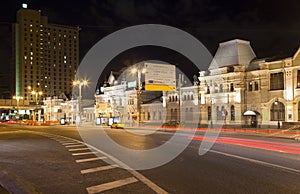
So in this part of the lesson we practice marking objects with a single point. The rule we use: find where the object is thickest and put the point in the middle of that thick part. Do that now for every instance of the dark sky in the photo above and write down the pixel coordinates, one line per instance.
(272, 27)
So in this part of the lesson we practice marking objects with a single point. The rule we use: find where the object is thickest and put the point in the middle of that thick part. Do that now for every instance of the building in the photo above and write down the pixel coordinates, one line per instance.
(46, 56)
(236, 90)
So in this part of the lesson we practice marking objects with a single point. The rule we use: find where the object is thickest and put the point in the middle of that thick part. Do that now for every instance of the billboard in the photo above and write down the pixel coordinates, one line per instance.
(160, 77)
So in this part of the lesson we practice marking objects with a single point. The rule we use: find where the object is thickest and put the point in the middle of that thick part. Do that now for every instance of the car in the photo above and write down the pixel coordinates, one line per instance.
(117, 125)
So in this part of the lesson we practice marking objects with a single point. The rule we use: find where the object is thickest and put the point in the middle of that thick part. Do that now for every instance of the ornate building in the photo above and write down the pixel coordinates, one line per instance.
(237, 89)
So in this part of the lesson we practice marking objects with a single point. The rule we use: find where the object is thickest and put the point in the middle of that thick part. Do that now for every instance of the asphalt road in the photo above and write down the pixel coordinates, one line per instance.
(53, 159)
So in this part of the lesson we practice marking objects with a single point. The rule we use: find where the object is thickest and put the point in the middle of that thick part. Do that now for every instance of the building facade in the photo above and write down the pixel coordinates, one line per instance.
(46, 56)
(237, 90)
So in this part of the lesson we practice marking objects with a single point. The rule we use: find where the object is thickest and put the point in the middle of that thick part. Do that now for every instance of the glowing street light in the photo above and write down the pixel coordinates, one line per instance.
(18, 98)
(36, 94)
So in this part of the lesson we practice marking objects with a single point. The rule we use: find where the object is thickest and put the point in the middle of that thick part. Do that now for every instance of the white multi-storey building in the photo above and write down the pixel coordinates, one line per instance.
(237, 89)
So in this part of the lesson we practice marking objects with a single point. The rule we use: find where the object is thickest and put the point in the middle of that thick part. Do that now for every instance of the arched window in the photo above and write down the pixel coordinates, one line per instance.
(232, 113)
(170, 98)
(221, 87)
(216, 88)
(256, 85)
(173, 99)
(176, 98)
(250, 88)
(277, 111)
(208, 90)
(184, 97)
(192, 97)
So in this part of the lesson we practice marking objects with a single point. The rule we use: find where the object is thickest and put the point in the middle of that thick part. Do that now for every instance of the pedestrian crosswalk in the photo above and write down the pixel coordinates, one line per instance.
(94, 161)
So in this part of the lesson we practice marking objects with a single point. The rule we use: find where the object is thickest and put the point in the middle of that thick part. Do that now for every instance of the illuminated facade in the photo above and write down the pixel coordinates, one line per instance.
(46, 56)
(237, 90)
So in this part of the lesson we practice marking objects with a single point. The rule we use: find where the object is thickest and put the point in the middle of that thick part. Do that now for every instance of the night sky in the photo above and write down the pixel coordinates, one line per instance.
(272, 27)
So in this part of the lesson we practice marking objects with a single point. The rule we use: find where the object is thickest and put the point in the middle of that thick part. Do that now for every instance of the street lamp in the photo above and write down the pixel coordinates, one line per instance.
(277, 107)
(36, 94)
(139, 72)
(18, 98)
(79, 83)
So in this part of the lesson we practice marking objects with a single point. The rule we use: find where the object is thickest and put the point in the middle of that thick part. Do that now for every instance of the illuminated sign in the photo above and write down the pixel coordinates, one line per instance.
(160, 77)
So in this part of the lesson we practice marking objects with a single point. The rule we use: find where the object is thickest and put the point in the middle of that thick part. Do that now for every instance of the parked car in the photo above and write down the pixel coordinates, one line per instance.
(117, 125)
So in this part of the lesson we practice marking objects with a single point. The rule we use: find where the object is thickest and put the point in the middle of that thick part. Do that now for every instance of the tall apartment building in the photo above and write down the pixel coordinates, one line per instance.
(46, 56)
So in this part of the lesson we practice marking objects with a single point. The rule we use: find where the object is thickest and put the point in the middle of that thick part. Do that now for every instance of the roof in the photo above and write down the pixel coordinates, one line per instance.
(233, 52)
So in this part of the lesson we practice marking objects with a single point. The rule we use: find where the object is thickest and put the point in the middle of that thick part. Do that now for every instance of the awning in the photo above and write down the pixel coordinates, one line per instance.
(249, 113)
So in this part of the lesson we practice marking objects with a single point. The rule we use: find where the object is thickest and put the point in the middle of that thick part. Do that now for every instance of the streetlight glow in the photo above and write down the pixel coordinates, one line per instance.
(134, 70)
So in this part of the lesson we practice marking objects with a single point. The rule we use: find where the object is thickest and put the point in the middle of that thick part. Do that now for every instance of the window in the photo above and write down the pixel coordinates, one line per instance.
(232, 113)
(209, 113)
(276, 81)
(250, 86)
(221, 87)
(208, 90)
(298, 79)
(216, 88)
(256, 85)
(231, 87)
(277, 111)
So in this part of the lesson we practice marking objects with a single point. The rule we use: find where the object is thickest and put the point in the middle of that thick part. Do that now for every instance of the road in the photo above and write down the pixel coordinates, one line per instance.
(53, 159)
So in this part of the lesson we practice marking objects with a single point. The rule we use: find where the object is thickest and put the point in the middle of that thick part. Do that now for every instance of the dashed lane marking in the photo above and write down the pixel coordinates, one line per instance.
(83, 153)
(78, 149)
(97, 169)
(110, 185)
(90, 159)
(71, 143)
(72, 146)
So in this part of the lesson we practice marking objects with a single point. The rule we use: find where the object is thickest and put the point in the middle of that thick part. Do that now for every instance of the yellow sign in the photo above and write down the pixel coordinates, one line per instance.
(159, 87)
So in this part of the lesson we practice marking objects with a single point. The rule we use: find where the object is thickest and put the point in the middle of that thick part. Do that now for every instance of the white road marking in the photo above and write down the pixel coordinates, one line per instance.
(257, 161)
(83, 153)
(72, 146)
(70, 143)
(110, 185)
(90, 159)
(138, 175)
(97, 169)
(78, 149)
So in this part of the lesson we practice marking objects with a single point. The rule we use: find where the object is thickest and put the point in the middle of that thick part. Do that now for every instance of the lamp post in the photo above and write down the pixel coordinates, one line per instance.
(18, 98)
(139, 72)
(36, 94)
(277, 107)
(79, 83)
